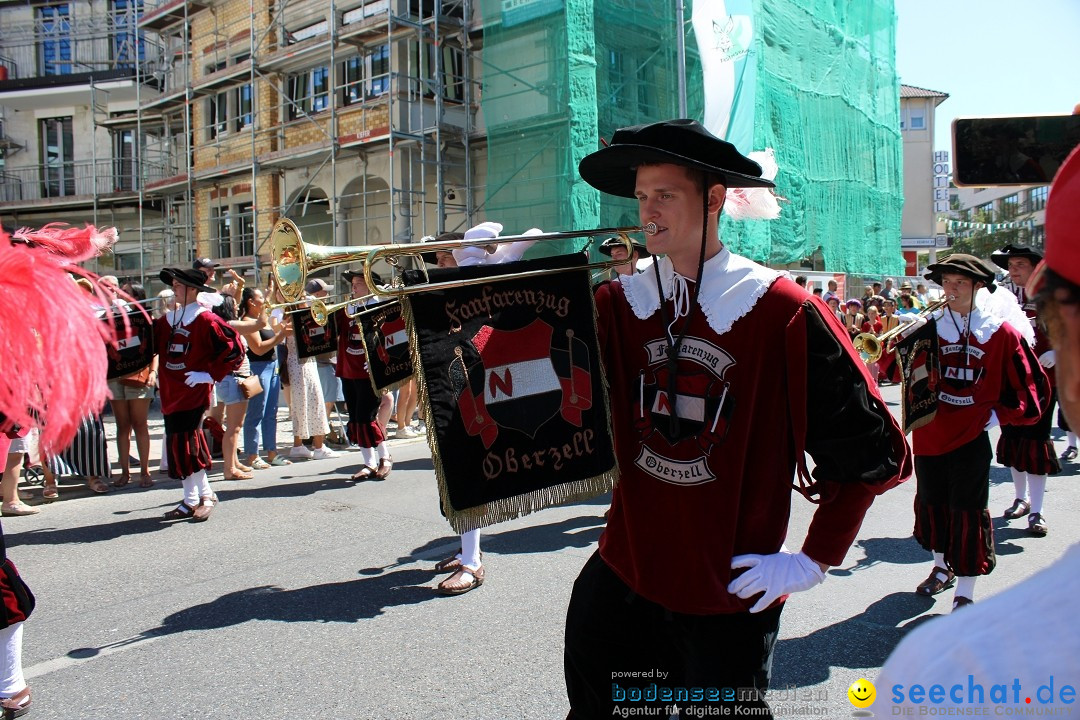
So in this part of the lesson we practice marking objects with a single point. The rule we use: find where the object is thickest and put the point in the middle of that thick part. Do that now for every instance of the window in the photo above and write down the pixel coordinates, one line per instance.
(380, 71)
(221, 231)
(913, 117)
(309, 31)
(54, 50)
(58, 157)
(123, 160)
(217, 107)
(1038, 236)
(127, 46)
(372, 7)
(245, 220)
(309, 92)
(353, 72)
(243, 106)
(451, 83)
(1038, 198)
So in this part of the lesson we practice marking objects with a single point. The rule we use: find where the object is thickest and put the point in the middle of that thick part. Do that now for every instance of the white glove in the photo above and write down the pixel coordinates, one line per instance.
(467, 256)
(484, 230)
(477, 255)
(194, 377)
(911, 323)
(775, 575)
(993, 422)
(512, 252)
(1047, 359)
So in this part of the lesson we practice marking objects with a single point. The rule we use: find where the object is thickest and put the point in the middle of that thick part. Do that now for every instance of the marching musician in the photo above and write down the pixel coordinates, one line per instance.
(196, 349)
(361, 399)
(614, 248)
(988, 374)
(713, 362)
(1027, 450)
(1027, 633)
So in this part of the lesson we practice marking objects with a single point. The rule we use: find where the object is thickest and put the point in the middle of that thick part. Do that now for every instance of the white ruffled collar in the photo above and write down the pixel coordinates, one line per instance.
(731, 286)
(992, 310)
(191, 311)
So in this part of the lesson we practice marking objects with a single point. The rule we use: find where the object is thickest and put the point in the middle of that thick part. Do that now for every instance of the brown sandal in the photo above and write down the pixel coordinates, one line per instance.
(385, 466)
(181, 512)
(17, 705)
(456, 584)
(364, 473)
(451, 563)
(206, 506)
(934, 584)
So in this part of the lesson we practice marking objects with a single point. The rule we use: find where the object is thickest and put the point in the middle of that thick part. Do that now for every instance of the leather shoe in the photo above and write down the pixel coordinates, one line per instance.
(960, 601)
(1018, 509)
(934, 584)
(1070, 453)
(1037, 525)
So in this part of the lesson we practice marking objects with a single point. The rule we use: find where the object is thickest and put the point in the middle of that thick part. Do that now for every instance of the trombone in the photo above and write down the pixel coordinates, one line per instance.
(871, 346)
(292, 258)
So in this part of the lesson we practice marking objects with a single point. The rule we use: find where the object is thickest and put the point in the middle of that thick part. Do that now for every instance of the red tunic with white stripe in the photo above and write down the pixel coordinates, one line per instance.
(205, 343)
(351, 358)
(994, 371)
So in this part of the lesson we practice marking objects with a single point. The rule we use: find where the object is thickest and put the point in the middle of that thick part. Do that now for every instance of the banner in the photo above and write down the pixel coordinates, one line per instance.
(134, 342)
(510, 378)
(920, 371)
(386, 343)
(312, 338)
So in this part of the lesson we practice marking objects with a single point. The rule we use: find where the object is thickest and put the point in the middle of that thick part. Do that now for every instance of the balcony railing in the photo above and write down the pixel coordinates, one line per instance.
(102, 42)
(80, 178)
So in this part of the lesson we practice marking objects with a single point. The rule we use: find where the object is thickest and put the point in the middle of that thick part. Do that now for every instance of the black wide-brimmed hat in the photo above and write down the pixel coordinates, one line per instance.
(963, 264)
(348, 275)
(1001, 257)
(613, 169)
(432, 258)
(613, 242)
(191, 278)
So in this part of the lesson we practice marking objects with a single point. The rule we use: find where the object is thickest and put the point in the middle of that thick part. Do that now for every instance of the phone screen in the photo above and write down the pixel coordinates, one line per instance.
(1023, 150)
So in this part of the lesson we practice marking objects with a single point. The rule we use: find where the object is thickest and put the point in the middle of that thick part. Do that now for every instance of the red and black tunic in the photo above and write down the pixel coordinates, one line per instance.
(992, 369)
(691, 497)
(1028, 448)
(205, 343)
(360, 398)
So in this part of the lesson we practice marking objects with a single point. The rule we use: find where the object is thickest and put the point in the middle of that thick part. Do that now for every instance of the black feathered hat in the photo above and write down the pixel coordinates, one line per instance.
(191, 278)
(1001, 257)
(962, 264)
(613, 169)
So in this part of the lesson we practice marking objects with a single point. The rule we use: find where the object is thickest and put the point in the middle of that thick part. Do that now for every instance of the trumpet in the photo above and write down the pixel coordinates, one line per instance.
(292, 259)
(871, 346)
(321, 311)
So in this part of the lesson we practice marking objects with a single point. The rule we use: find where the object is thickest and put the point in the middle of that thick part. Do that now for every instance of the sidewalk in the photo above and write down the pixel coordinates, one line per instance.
(73, 487)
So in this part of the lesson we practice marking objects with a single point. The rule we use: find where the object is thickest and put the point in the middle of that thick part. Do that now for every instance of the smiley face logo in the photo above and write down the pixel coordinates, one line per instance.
(862, 693)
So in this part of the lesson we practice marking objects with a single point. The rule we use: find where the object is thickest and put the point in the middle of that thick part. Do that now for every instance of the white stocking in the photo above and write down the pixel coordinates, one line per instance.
(11, 671)
(1038, 489)
(1020, 481)
(965, 586)
(191, 490)
(470, 549)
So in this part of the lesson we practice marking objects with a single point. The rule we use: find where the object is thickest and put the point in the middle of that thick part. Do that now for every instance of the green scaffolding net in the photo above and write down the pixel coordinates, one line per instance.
(814, 80)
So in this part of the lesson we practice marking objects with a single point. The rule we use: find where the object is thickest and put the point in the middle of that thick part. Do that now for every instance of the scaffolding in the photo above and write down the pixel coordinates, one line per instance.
(355, 120)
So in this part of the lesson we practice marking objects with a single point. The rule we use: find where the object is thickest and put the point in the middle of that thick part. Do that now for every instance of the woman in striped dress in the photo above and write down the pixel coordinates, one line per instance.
(87, 456)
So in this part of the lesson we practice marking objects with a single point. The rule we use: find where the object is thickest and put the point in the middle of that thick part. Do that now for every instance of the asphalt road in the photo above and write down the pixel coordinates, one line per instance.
(306, 596)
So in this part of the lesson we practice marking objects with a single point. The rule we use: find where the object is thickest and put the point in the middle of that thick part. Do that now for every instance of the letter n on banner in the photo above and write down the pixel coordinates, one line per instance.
(509, 376)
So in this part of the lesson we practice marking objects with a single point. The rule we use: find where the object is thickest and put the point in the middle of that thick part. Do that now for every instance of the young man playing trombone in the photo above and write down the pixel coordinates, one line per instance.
(713, 362)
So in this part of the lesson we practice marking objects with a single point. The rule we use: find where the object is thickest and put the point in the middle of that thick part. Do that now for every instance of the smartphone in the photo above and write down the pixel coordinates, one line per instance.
(1024, 150)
